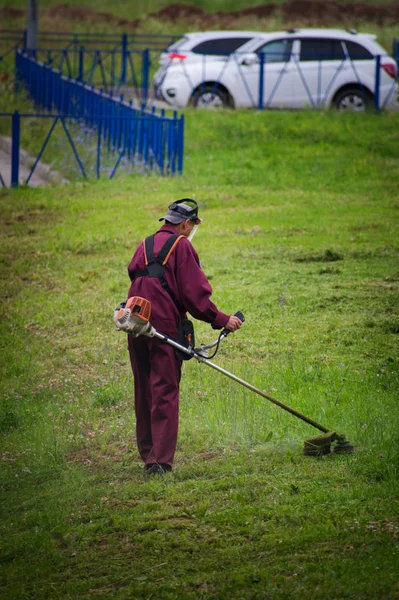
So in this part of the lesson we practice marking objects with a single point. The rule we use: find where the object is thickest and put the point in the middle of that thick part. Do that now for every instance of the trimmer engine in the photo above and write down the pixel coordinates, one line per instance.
(133, 317)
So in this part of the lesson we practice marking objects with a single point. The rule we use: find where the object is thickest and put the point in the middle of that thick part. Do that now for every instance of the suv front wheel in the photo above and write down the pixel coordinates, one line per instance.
(210, 96)
(353, 99)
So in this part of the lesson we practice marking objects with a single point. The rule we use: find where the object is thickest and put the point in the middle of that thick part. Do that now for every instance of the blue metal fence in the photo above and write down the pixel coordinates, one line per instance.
(139, 136)
(109, 69)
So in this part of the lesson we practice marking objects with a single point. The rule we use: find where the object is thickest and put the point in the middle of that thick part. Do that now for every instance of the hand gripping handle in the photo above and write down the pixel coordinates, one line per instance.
(226, 332)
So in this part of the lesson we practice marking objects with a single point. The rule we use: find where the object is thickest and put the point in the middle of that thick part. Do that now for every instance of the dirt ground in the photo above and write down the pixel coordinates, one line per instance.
(307, 12)
(316, 11)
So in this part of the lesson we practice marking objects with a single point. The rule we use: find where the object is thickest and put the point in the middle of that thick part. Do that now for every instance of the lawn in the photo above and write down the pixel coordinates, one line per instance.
(300, 233)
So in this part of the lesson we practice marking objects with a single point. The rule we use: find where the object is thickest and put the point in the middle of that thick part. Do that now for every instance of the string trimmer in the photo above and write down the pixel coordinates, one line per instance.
(133, 317)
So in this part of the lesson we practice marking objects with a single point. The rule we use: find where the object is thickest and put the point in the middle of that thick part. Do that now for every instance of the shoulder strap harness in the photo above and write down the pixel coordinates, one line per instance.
(155, 266)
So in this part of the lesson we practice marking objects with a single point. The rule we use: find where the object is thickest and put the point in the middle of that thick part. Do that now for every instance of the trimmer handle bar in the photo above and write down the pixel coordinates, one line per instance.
(226, 332)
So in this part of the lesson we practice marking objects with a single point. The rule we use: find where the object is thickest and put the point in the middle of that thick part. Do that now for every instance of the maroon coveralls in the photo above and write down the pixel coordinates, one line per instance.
(155, 366)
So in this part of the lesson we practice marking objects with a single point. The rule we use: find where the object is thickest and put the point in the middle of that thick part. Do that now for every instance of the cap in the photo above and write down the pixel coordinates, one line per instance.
(179, 211)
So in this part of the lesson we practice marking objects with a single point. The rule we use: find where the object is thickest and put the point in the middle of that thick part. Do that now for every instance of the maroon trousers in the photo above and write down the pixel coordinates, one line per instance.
(156, 372)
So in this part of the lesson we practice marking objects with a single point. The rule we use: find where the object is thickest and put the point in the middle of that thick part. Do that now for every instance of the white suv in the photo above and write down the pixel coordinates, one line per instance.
(300, 68)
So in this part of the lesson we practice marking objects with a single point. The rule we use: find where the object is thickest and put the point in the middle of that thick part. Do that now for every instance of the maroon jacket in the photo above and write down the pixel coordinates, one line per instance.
(185, 279)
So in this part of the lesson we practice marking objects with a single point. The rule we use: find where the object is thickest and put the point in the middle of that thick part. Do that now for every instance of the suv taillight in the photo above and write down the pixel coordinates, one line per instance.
(173, 55)
(391, 69)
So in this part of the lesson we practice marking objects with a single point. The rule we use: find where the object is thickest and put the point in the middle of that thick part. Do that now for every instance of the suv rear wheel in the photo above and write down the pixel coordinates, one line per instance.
(353, 99)
(210, 96)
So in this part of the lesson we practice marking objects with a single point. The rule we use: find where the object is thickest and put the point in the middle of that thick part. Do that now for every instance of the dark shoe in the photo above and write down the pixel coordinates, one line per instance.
(156, 469)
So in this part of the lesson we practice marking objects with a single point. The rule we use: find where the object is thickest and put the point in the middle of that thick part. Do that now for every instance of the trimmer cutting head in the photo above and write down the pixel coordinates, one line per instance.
(343, 446)
(321, 444)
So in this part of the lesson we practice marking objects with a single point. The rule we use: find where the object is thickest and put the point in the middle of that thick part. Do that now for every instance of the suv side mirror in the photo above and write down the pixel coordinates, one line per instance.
(250, 59)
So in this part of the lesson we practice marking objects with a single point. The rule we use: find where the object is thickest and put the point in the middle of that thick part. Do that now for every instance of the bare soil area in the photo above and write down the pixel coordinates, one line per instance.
(315, 11)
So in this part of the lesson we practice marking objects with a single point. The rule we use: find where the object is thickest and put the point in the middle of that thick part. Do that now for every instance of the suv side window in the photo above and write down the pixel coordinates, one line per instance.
(321, 49)
(358, 52)
(276, 51)
(221, 46)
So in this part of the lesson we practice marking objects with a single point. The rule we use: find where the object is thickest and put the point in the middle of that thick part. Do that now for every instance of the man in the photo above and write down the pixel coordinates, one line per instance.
(181, 287)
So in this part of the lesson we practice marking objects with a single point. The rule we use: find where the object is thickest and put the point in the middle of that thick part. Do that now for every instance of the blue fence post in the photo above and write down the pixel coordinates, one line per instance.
(261, 79)
(145, 74)
(377, 82)
(112, 82)
(46, 90)
(163, 140)
(15, 149)
(81, 62)
(181, 145)
(395, 52)
(124, 58)
(99, 126)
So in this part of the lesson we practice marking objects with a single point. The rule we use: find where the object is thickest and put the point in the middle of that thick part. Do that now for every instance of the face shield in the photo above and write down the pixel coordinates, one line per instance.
(194, 230)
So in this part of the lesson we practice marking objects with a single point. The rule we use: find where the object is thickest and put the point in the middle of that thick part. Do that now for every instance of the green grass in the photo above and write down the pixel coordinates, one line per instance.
(300, 232)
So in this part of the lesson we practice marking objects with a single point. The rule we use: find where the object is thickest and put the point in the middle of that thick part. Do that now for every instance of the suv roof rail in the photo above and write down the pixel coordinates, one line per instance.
(352, 31)
(292, 30)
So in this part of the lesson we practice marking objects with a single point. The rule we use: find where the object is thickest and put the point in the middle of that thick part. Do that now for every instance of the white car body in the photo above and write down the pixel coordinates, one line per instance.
(292, 78)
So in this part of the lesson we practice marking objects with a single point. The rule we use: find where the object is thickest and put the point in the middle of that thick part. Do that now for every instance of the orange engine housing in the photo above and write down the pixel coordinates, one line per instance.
(140, 308)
